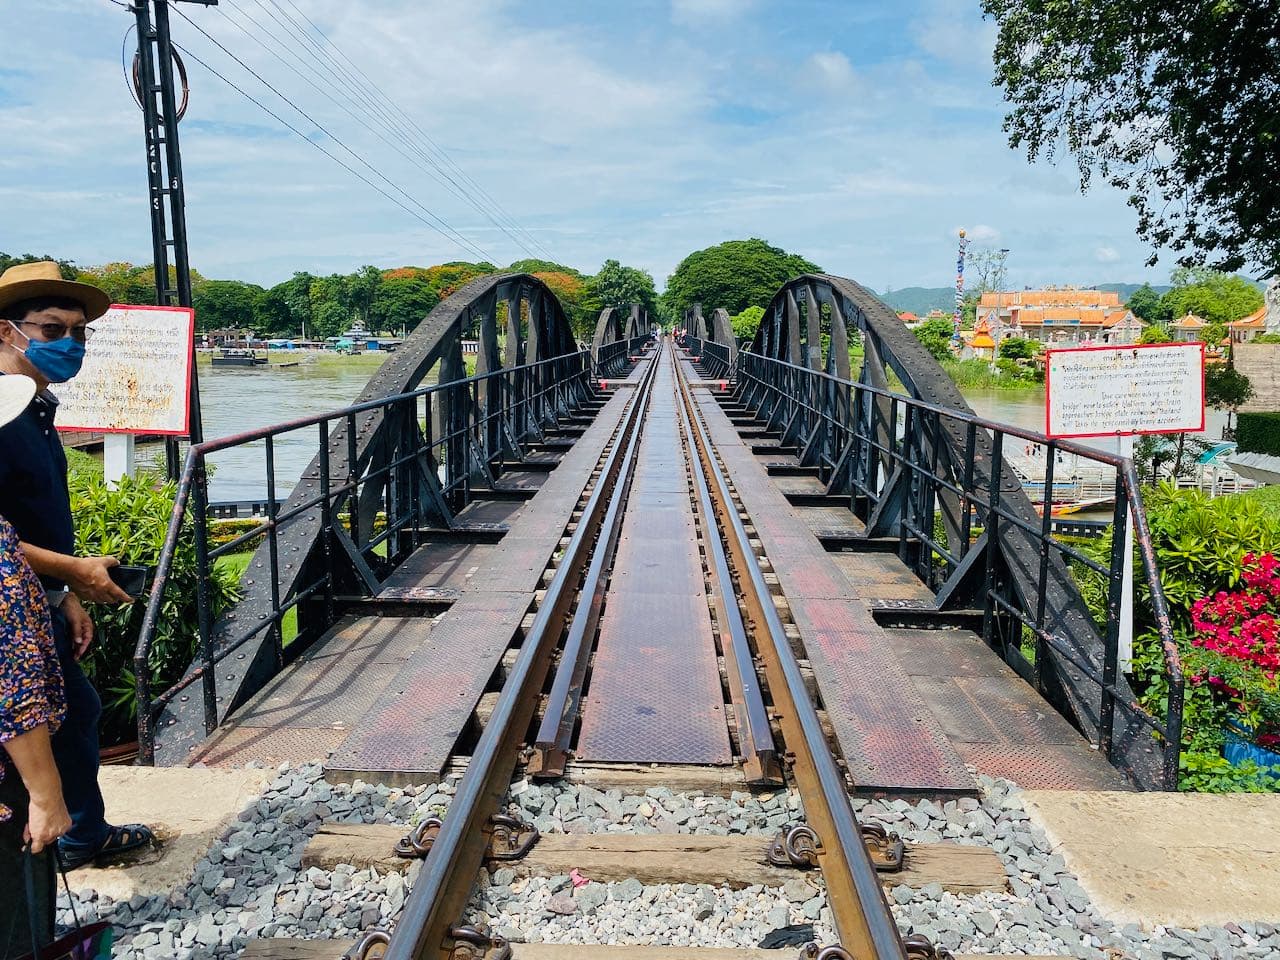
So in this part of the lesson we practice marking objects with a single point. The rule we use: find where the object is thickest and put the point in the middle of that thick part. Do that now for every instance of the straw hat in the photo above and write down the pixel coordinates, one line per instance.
(16, 392)
(44, 279)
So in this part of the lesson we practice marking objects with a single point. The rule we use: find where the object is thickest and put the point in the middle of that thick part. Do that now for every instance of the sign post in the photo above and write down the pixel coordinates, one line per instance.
(1122, 392)
(135, 381)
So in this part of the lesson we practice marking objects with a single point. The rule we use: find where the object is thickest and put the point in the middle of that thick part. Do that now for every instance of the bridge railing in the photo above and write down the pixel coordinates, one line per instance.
(889, 453)
(443, 442)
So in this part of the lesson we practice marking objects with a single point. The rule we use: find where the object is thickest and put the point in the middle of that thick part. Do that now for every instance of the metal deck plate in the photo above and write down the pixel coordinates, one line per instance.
(444, 565)
(889, 738)
(410, 731)
(654, 693)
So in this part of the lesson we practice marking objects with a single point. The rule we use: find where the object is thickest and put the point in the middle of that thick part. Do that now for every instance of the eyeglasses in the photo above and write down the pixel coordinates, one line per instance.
(56, 331)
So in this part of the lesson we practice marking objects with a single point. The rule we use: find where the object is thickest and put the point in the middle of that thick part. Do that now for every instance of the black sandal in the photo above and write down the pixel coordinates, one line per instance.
(123, 839)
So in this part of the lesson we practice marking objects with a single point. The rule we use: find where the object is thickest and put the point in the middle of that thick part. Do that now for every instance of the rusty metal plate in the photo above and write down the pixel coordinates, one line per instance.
(1045, 767)
(238, 746)
(444, 565)
(654, 694)
(413, 726)
(336, 681)
(946, 653)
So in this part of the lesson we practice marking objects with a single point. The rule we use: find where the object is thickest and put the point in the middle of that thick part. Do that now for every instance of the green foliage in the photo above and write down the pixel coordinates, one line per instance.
(1148, 306)
(65, 267)
(618, 286)
(1018, 348)
(533, 265)
(1266, 338)
(1225, 387)
(1154, 333)
(936, 336)
(130, 524)
(746, 323)
(734, 275)
(976, 374)
(226, 303)
(1110, 79)
(1199, 542)
(401, 303)
(1218, 298)
(1258, 433)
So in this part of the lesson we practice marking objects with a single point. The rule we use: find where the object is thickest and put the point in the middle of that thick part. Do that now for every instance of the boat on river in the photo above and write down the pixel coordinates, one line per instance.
(238, 357)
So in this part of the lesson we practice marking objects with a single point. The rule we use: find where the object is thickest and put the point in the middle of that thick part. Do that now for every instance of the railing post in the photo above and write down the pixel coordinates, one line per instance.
(208, 679)
(1046, 531)
(353, 478)
(1115, 593)
(993, 539)
(326, 524)
(273, 554)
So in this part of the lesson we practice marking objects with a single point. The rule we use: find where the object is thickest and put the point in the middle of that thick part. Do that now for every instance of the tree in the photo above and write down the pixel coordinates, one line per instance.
(617, 286)
(296, 294)
(329, 319)
(401, 303)
(936, 336)
(222, 304)
(1210, 295)
(1155, 333)
(446, 278)
(65, 267)
(1145, 304)
(1017, 348)
(272, 316)
(534, 265)
(734, 275)
(362, 287)
(571, 290)
(1226, 388)
(746, 323)
(1172, 101)
(1214, 334)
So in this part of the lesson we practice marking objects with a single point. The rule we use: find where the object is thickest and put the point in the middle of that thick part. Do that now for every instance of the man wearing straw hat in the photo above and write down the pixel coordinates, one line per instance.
(44, 325)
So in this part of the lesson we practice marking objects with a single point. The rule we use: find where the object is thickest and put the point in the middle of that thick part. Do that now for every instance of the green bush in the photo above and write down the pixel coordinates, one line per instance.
(130, 523)
(1258, 433)
(1199, 542)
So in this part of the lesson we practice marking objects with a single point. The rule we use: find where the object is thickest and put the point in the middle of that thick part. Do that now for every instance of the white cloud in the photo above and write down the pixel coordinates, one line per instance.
(691, 12)
(948, 30)
(829, 71)
(981, 235)
(1105, 254)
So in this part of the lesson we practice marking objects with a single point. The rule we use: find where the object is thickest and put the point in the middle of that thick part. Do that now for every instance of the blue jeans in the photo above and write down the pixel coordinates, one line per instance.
(75, 749)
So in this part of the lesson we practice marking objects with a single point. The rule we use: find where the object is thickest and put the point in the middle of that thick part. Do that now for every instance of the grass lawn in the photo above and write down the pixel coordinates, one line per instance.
(1269, 497)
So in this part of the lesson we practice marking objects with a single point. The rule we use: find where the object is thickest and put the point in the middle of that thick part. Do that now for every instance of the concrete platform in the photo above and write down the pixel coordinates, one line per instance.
(188, 808)
(1161, 858)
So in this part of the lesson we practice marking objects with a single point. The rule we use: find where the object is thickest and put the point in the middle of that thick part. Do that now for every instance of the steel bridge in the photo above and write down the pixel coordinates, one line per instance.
(759, 558)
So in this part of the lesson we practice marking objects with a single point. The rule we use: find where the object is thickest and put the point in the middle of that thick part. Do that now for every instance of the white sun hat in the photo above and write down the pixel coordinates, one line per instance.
(16, 392)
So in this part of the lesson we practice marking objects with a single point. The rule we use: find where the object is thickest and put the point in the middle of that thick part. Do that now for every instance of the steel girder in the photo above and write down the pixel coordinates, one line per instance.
(812, 306)
(535, 327)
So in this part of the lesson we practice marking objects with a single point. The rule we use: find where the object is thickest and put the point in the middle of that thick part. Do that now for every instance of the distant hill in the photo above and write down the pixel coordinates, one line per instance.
(1126, 289)
(920, 300)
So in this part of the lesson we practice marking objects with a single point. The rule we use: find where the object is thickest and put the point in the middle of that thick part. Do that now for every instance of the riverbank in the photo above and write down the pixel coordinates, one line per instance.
(316, 359)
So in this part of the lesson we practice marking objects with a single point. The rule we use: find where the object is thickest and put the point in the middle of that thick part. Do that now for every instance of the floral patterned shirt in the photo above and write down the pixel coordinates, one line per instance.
(31, 691)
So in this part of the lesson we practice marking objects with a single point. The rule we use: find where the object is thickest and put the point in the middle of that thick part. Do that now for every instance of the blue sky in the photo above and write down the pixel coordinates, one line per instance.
(859, 134)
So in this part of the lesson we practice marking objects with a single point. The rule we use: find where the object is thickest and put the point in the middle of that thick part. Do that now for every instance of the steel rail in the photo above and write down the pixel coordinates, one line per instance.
(551, 747)
(755, 736)
(440, 894)
(863, 920)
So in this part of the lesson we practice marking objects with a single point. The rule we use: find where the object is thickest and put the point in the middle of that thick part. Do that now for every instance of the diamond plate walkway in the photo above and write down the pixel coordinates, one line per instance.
(655, 693)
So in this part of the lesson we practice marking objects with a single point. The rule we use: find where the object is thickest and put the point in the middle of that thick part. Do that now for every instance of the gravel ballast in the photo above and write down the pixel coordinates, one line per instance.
(251, 883)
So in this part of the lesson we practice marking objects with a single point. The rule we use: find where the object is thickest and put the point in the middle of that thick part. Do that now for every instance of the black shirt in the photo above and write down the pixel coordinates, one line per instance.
(33, 480)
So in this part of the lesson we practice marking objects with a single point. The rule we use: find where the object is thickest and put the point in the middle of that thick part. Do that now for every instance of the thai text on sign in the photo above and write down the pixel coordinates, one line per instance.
(136, 375)
(1121, 391)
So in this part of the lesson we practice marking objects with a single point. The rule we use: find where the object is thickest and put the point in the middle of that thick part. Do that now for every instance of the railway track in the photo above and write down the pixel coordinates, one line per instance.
(536, 724)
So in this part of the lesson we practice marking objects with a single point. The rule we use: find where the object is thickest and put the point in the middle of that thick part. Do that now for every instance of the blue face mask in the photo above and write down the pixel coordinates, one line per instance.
(58, 360)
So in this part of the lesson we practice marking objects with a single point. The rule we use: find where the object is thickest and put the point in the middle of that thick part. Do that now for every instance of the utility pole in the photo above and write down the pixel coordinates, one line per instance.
(153, 77)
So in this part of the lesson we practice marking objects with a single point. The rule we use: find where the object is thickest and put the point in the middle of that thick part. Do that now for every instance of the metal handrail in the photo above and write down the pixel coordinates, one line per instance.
(836, 419)
(193, 484)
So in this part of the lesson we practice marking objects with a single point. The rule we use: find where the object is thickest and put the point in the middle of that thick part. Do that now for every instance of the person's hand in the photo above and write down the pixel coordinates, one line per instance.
(47, 820)
(79, 625)
(89, 579)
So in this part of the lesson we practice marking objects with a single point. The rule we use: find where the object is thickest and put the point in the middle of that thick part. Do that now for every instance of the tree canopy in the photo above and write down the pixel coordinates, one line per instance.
(1210, 295)
(617, 286)
(1172, 101)
(734, 275)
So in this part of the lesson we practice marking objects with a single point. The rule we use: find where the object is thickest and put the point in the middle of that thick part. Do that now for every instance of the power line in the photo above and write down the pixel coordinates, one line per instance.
(449, 184)
(334, 157)
(369, 86)
(437, 222)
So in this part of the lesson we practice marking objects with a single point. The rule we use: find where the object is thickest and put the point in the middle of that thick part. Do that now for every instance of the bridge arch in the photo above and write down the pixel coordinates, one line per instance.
(619, 330)
(903, 464)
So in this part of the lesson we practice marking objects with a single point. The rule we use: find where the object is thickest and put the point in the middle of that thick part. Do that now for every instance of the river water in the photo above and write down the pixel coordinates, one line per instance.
(237, 399)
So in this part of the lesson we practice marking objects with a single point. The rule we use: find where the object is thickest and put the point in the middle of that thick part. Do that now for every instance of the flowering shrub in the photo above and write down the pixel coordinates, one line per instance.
(1237, 644)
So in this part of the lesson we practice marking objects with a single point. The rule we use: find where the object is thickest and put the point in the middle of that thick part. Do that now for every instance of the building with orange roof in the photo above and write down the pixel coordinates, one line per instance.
(1246, 328)
(1188, 328)
(1058, 315)
(909, 318)
(981, 343)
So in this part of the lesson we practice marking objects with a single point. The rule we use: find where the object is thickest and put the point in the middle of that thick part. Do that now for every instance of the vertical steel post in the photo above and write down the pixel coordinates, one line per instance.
(1111, 647)
(204, 571)
(993, 540)
(273, 554)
